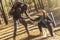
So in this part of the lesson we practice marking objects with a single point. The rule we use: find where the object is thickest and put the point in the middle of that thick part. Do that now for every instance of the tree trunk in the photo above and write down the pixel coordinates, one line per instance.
(3, 13)
(11, 2)
(49, 5)
(35, 6)
(41, 4)
(0, 21)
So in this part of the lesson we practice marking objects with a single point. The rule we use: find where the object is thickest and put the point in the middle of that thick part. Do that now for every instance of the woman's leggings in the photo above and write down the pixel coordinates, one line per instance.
(50, 28)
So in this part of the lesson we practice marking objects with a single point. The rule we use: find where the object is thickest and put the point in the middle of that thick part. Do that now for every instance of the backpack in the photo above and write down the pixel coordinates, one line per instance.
(18, 6)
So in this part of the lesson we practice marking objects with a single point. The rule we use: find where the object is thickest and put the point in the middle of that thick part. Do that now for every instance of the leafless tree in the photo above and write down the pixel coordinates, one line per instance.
(3, 13)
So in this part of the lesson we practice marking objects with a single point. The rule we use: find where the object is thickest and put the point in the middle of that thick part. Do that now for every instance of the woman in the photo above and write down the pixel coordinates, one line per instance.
(44, 21)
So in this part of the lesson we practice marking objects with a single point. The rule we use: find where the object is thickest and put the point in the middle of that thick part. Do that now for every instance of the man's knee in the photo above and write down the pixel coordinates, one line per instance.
(25, 24)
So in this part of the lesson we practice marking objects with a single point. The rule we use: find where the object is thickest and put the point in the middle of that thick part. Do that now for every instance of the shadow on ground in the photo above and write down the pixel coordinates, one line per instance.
(30, 37)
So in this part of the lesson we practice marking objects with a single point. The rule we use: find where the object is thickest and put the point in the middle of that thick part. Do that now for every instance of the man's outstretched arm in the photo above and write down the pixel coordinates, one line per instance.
(28, 15)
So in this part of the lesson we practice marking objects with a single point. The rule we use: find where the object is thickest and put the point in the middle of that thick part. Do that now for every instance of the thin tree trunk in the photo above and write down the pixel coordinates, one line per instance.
(3, 13)
(41, 4)
(11, 2)
(49, 5)
(23, 1)
(35, 6)
(0, 21)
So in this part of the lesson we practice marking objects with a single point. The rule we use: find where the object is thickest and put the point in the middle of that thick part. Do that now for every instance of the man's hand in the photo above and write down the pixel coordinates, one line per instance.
(29, 17)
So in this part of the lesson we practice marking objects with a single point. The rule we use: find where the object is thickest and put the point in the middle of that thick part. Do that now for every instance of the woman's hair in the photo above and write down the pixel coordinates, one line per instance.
(44, 13)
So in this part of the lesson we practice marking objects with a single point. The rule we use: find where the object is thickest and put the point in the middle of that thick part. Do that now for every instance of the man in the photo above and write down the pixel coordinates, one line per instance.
(16, 11)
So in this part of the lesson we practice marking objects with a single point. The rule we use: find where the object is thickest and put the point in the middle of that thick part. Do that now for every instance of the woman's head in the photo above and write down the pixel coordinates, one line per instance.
(43, 13)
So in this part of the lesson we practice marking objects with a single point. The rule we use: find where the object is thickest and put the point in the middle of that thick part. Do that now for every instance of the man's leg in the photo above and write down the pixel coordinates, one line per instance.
(25, 24)
(15, 28)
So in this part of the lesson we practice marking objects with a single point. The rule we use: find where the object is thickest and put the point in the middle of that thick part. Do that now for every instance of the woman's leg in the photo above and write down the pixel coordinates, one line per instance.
(40, 29)
(50, 28)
